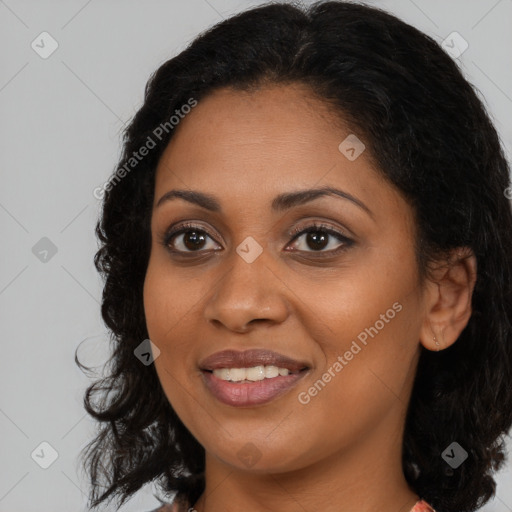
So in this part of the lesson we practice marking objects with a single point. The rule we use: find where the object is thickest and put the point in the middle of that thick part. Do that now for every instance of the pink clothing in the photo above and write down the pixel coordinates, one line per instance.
(420, 506)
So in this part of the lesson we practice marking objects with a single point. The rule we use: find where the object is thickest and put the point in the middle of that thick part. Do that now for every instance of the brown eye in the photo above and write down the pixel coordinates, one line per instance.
(316, 238)
(187, 238)
(193, 240)
(319, 239)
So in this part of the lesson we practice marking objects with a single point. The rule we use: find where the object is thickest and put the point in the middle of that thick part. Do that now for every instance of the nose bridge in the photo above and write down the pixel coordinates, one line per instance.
(247, 291)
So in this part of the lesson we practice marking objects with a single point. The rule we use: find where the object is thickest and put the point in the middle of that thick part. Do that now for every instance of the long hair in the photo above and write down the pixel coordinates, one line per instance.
(431, 137)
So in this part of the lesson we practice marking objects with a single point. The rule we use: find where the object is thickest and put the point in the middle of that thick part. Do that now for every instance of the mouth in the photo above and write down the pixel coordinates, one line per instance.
(252, 377)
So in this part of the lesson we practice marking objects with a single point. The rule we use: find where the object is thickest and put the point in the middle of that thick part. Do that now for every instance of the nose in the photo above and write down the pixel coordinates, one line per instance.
(247, 294)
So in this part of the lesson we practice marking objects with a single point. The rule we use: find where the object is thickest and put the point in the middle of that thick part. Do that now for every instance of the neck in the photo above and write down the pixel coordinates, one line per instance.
(365, 477)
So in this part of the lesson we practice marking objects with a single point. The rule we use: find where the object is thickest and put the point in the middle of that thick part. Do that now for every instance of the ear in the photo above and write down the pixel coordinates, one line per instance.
(448, 296)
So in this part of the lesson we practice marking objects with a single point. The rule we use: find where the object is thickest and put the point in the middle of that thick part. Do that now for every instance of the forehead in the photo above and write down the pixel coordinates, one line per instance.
(255, 145)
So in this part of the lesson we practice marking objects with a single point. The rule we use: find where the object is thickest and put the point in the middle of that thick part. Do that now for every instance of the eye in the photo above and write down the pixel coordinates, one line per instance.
(316, 237)
(190, 238)
(186, 238)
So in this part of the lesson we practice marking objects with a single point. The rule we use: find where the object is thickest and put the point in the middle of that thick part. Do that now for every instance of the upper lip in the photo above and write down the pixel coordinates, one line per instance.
(250, 358)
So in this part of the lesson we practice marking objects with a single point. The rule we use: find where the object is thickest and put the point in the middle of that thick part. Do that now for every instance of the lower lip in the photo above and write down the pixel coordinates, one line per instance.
(243, 394)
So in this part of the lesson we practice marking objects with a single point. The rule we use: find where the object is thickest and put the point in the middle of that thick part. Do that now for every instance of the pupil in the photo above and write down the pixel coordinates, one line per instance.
(318, 239)
(194, 238)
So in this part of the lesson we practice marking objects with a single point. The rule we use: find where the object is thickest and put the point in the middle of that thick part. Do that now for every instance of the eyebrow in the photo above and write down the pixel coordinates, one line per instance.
(280, 203)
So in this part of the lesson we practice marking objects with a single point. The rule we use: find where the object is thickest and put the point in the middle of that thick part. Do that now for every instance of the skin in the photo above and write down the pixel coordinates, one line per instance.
(341, 450)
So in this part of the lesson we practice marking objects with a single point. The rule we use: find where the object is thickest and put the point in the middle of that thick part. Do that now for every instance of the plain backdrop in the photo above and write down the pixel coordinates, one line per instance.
(60, 124)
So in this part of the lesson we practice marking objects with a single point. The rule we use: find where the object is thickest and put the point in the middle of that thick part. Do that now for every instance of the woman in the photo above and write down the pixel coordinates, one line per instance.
(309, 221)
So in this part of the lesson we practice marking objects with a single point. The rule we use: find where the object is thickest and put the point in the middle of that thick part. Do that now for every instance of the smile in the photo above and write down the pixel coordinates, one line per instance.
(250, 374)
(252, 377)
(246, 392)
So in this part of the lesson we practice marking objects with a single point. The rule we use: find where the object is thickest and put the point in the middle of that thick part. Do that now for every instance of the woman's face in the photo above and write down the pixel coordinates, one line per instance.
(344, 305)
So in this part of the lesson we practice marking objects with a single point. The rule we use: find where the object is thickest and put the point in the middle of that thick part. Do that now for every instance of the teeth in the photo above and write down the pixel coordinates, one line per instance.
(273, 371)
(255, 373)
(251, 374)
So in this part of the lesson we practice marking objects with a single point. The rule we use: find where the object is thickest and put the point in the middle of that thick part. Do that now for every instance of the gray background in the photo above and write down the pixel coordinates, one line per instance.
(61, 120)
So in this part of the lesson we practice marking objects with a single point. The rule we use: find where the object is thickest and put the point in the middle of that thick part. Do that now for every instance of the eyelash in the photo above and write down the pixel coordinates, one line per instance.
(294, 233)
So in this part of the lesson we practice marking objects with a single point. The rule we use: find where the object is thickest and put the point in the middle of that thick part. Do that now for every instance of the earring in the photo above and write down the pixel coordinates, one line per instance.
(437, 344)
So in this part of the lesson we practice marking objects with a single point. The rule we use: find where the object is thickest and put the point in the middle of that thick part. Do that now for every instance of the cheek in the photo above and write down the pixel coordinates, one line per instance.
(170, 305)
(155, 303)
(367, 371)
(168, 298)
(369, 316)
(359, 303)
(163, 311)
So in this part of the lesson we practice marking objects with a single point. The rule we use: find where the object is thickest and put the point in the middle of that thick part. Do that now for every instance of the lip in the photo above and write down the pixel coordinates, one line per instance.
(248, 394)
(250, 358)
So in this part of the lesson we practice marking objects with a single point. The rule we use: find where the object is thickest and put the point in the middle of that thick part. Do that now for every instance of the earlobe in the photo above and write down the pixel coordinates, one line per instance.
(448, 297)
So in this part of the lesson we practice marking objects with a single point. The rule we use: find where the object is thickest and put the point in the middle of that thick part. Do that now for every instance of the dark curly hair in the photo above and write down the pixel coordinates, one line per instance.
(431, 137)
